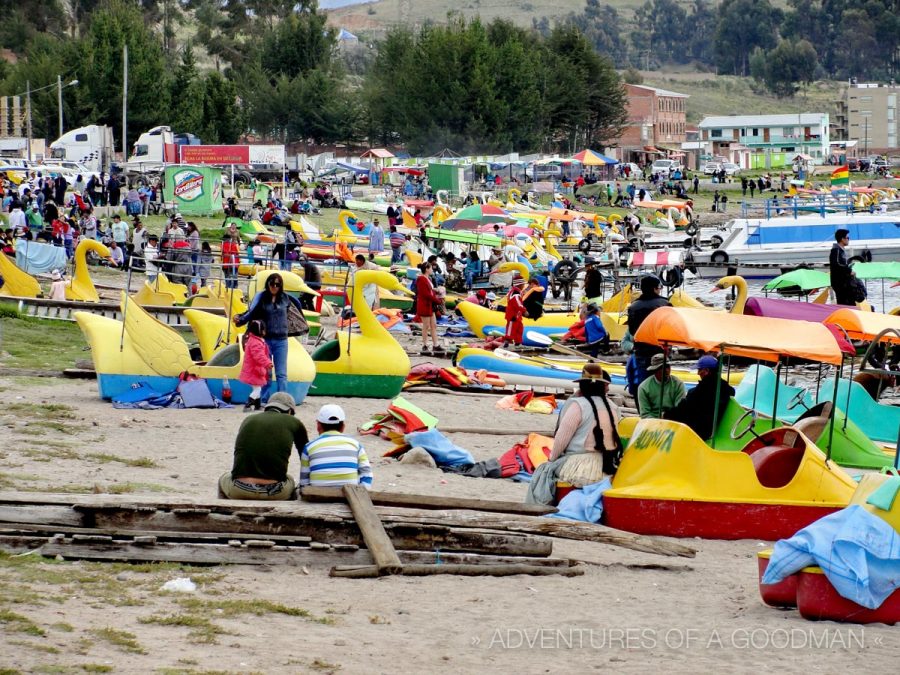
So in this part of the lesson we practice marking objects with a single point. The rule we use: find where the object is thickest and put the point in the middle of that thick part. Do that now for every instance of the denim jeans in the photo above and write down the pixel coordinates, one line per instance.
(230, 272)
(396, 255)
(278, 348)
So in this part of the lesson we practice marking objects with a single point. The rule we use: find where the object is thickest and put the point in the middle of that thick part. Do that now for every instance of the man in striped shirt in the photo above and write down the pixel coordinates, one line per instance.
(334, 459)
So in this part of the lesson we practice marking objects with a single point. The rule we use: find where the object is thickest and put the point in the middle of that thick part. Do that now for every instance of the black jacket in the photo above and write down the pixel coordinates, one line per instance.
(639, 310)
(839, 270)
(697, 408)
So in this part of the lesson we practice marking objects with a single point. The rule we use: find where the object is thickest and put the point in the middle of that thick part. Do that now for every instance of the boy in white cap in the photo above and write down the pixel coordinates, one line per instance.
(334, 459)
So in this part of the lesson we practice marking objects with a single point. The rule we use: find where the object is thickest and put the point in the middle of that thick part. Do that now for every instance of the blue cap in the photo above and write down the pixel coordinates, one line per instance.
(710, 362)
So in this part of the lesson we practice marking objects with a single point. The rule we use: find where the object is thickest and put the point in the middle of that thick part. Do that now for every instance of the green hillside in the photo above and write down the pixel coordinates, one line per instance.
(728, 95)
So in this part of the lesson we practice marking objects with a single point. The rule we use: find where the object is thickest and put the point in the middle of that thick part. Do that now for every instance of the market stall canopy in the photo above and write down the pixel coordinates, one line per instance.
(377, 153)
(592, 158)
(865, 325)
(749, 336)
(353, 167)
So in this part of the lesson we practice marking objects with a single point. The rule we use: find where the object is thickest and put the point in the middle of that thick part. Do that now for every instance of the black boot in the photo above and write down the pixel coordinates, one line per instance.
(251, 404)
(257, 403)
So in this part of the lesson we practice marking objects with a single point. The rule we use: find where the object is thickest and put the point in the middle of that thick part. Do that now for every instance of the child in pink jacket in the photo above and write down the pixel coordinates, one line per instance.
(257, 363)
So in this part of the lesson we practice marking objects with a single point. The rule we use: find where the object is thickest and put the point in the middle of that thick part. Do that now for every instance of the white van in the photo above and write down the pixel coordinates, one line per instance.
(664, 167)
(543, 172)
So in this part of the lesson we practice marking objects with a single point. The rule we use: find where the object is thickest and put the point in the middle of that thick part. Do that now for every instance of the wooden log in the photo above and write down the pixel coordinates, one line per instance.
(377, 540)
(371, 571)
(222, 554)
(495, 432)
(291, 514)
(327, 494)
(61, 515)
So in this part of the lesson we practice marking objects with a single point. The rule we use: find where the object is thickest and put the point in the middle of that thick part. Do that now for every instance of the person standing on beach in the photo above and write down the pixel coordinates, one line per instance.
(426, 299)
(638, 311)
(839, 270)
(376, 238)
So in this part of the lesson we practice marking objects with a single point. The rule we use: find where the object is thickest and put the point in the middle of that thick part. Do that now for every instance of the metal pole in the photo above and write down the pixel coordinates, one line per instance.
(718, 397)
(59, 100)
(777, 386)
(125, 103)
(837, 375)
(28, 115)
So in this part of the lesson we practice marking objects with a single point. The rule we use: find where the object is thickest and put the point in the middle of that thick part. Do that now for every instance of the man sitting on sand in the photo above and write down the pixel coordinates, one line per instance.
(334, 459)
(262, 451)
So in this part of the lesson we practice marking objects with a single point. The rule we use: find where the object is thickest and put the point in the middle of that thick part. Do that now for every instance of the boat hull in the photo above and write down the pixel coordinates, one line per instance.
(111, 386)
(359, 386)
(710, 520)
(818, 600)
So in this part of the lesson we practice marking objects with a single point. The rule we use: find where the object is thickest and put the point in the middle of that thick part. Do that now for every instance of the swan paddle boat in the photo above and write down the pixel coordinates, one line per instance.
(371, 364)
(776, 307)
(141, 349)
(17, 283)
(670, 482)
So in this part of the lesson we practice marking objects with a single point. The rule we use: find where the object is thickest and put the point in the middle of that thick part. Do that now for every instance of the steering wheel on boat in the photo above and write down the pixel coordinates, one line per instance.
(737, 432)
(798, 399)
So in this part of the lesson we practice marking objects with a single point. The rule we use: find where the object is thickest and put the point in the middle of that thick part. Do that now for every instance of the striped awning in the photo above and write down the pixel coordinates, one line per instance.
(655, 258)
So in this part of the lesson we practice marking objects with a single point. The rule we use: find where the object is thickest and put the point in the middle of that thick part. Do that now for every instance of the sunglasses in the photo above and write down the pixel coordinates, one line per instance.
(275, 284)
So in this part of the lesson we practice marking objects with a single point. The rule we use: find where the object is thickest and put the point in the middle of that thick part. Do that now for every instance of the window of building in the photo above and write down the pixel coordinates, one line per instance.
(755, 132)
(715, 133)
(867, 99)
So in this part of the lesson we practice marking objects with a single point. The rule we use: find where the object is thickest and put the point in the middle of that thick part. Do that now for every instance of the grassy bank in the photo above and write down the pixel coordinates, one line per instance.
(38, 344)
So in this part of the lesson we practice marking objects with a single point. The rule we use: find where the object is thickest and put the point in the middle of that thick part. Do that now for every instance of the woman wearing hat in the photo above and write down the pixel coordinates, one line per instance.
(586, 445)
(515, 310)
(57, 286)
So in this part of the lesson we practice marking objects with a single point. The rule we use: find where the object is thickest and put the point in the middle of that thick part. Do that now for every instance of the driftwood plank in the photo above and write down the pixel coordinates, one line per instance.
(222, 554)
(325, 494)
(373, 532)
(371, 571)
(287, 511)
(40, 514)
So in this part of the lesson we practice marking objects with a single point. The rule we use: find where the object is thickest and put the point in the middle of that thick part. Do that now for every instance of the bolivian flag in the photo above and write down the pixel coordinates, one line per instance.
(841, 175)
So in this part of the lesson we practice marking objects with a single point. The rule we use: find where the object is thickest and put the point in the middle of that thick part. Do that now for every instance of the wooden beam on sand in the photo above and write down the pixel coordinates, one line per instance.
(327, 494)
(298, 515)
(371, 571)
(377, 540)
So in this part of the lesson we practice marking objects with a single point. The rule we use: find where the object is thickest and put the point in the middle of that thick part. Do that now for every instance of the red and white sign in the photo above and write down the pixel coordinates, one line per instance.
(232, 154)
(655, 258)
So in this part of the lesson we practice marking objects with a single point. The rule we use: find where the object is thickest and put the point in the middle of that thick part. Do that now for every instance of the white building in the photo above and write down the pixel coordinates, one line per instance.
(764, 141)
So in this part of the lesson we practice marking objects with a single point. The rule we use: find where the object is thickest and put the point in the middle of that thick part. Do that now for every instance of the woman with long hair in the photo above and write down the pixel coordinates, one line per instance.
(586, 445)
(271, 306)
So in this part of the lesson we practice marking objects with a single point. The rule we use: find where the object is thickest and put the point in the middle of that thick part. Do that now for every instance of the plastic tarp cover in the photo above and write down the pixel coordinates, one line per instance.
(444, 452)
(584, 504)
(34, 257)
(858, 552)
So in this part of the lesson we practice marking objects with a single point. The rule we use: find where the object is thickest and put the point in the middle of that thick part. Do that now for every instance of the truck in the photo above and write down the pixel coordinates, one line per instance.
(158, 147)
(91, 146)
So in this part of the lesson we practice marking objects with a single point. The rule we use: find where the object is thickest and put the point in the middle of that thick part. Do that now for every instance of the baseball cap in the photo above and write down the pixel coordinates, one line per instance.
(709, 362)
(481, 293)
(492, 296)
(331, 413)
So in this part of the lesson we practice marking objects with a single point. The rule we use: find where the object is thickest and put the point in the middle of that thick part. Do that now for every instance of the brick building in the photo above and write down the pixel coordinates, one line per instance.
(656, 123)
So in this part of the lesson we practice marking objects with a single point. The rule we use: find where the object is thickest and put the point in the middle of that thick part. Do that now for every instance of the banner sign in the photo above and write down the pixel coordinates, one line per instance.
(195, 190)
(232, 154)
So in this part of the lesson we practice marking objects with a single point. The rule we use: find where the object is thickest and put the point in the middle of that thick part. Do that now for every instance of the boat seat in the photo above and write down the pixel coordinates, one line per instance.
(776, 465)
(812, 425)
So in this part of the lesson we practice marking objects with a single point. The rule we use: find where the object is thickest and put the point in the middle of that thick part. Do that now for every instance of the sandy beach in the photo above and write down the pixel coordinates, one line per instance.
(685, 615)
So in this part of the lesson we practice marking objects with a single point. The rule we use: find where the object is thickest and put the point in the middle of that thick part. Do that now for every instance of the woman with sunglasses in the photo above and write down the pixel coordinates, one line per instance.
(271, 307)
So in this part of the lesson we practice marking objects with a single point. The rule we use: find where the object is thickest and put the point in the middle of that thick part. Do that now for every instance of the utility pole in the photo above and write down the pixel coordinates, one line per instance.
(125, 105)
(59, 98)
(28, 115)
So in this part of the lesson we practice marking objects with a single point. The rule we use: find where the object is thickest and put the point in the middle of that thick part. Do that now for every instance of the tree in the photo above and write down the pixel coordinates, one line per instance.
(299, 44)
(187, 93)
(223, 121)
(115, 24)
(744, 25)
(786, 68)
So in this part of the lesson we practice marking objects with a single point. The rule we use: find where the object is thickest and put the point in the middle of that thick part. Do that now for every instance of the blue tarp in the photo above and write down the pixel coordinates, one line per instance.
(584, 504)
(36, 258)
(440, 447)
(858, 552)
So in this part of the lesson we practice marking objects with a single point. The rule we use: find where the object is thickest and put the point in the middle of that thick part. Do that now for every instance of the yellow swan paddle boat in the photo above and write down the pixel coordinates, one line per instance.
(151, 352)
(161, 293)
(81, 287)
(17, 283)
(371, 364)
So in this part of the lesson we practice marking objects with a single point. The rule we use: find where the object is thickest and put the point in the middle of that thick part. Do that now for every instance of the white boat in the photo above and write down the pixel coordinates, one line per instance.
(805, 239)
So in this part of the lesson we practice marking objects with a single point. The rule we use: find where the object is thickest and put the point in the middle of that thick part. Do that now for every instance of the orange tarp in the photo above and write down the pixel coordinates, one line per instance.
(753, 337)
(865, 325)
